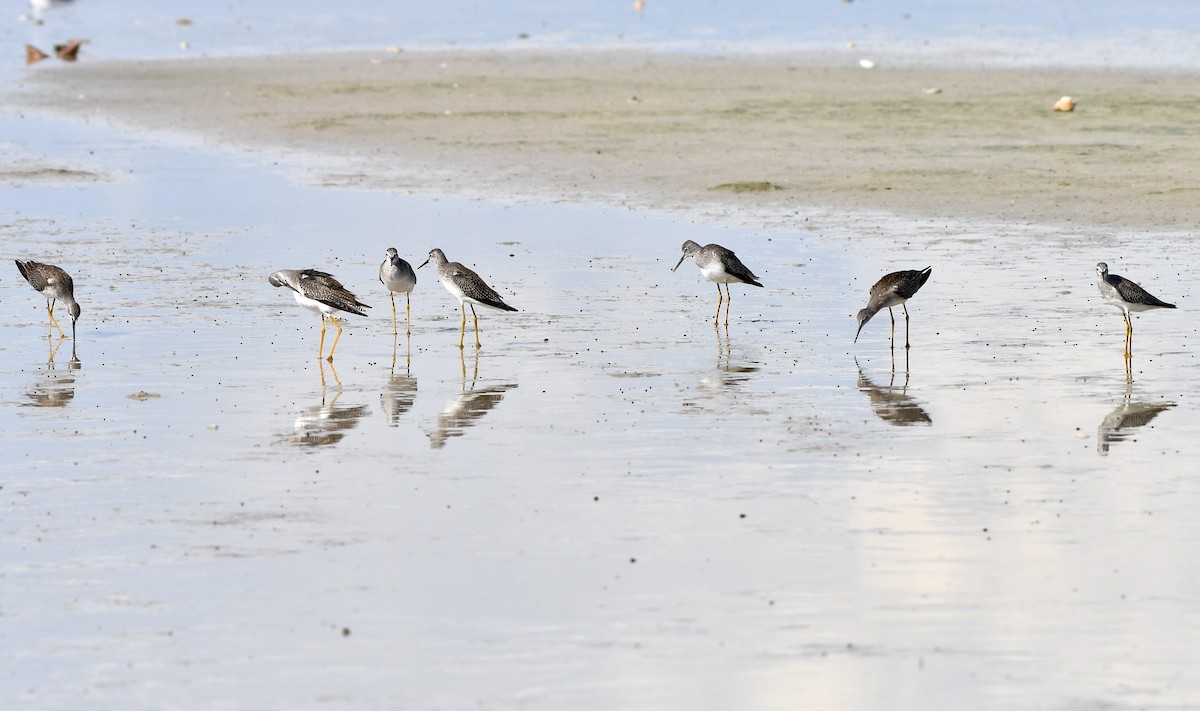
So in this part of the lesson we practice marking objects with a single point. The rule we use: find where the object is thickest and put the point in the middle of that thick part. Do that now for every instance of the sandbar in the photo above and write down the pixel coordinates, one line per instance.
(776, 133)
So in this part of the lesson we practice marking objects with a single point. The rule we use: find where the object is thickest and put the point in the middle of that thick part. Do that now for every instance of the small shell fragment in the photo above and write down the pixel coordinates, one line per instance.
(1065, 104)
(866, 64)
(933, 90)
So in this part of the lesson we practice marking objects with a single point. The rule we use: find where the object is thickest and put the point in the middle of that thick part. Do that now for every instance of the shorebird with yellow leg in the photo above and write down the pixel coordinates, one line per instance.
(320, 293)
(398, 276)
(466, 286)
(893, 290)
(720, 266)
(1126, 296)
(54, 284)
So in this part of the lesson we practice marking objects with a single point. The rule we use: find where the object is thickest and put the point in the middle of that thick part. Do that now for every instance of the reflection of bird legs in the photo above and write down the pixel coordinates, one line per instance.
(336, 379)
(407, 353)
(724, 349)
(906, 371)
(462, 359)
(55, 346)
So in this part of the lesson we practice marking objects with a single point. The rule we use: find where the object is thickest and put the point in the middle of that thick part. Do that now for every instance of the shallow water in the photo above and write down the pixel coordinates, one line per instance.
(1101, 33)
(612, 504)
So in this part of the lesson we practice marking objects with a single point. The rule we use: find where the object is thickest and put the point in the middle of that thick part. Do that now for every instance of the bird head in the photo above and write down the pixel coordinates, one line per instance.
(863, 316)
(689, 250)
(436, 256)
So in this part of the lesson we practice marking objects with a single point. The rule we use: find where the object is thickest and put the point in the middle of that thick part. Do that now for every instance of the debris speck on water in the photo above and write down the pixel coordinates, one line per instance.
(143, 395)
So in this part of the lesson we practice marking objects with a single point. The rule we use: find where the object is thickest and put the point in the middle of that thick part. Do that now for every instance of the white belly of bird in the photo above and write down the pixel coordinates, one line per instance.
(400, 286)
(716, 273)
(455, 291)
(1135, 307)
(313, 305)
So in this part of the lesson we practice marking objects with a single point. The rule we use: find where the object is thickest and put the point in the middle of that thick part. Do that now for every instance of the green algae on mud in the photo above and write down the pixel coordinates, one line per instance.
(758, 186)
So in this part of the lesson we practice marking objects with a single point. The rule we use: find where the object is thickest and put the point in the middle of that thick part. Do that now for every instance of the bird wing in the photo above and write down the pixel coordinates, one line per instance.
(41, 275)
(1134, 294)
(323, 287)
(476, 288)
(735, 268)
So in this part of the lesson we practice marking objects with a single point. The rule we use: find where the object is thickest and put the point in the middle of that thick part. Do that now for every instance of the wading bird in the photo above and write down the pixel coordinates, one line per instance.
(893, 290)
(320, 293)
(466, 286)
(720, 266)
(1127, 296)
(54, 284)
(398, 276)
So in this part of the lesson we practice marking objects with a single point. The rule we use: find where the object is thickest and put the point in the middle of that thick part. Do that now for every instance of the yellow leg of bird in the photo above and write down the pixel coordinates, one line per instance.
(408, 313)
(321, 345)
(893, 337)
(476, 317)
(728, 301)
(1128, 337)
(462, 332)
(54, 321)
(903, 306)
(720, 297)
(393, 295)
(335, 338)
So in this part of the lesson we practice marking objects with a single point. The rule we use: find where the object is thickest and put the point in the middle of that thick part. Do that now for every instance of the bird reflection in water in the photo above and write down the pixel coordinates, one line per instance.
(893, 404)
(400, 392)
(1118, 425)
(328, 422)
(56, 388)
(728, 374)
(467, 408)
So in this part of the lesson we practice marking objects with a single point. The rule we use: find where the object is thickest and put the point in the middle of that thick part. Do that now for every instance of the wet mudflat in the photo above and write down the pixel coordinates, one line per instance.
(612, 504)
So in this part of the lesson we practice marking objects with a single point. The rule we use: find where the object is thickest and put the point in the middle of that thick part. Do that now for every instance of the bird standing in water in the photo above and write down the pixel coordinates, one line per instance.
(1126, 296)
(398, 276)
(893, 290)
(720, 266)
(320, 293)
(466, 286)
(54, 284)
